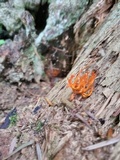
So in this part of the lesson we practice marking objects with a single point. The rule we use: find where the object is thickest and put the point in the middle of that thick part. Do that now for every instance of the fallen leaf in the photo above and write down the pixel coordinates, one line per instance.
(13, 145)
(110, 133)
(102, 144)
(38, 150)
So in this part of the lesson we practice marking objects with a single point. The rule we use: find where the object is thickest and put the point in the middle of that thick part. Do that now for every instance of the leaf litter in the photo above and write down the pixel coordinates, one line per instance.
(47, 131)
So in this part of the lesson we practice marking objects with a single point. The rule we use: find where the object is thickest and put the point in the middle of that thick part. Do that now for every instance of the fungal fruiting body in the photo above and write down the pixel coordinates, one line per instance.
(82, 83)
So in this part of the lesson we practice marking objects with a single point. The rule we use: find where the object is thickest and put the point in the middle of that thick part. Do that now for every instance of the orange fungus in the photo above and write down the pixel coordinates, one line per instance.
(82, 83)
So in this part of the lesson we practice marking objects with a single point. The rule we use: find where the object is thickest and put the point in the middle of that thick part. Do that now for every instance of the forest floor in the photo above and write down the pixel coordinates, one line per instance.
(41, 130)
(33, 127)
(23, 124)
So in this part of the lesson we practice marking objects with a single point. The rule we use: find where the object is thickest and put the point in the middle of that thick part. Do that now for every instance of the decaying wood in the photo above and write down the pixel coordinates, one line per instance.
(100, 53)
(96, 14)
(96, 10)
